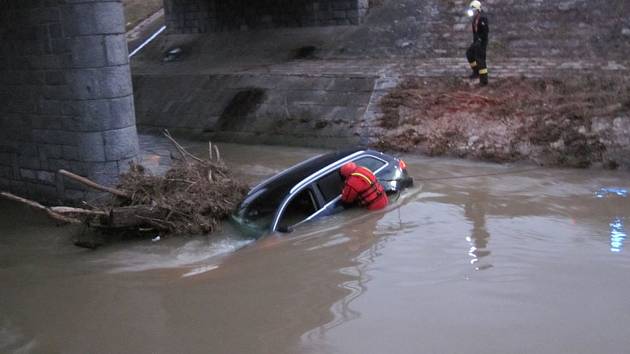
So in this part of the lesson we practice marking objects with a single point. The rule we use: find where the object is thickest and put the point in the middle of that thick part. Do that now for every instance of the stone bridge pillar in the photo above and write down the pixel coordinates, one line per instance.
(66, 95)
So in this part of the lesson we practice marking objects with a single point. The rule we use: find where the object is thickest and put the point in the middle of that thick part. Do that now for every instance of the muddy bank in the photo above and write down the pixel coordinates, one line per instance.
(566, 121)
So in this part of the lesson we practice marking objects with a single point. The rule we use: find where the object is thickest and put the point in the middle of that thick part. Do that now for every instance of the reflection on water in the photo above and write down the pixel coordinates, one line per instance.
(617, 235)
(617, 229)
(621, 192)
(475, 212)
(359, 239)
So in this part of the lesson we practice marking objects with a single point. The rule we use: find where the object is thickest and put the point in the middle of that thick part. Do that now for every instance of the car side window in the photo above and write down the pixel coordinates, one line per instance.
(370, 163)
(330, 185)
(299, 208)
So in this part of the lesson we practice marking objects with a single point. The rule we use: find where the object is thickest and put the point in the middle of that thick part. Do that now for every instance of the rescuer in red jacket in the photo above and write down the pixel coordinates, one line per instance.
(362, 186)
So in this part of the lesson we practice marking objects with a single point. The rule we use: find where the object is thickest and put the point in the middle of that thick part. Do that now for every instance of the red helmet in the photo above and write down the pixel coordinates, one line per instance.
(347, 169)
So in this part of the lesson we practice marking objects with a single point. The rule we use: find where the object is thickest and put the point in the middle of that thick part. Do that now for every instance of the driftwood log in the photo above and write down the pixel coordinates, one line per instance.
(56, 215)
(192, 197)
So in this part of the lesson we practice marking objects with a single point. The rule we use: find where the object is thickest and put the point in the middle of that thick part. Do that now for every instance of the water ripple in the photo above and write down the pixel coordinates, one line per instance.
(617, 235)
(603, 192)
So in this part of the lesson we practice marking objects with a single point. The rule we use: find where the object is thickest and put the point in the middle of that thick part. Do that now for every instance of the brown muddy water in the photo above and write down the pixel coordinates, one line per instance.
(535, 262)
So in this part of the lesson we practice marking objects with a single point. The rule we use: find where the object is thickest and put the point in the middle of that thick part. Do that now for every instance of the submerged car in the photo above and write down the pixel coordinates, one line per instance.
(312, 189)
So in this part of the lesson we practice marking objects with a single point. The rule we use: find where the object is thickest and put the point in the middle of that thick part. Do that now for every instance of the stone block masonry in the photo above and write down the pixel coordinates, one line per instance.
(198, 16)
(66, 93)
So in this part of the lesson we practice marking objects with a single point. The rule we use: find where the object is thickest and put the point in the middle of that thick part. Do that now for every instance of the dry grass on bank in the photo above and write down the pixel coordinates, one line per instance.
(512, 119)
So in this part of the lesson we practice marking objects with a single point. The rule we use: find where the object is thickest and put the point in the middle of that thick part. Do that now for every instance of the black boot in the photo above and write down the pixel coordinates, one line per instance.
(474, 75)
(483, 80)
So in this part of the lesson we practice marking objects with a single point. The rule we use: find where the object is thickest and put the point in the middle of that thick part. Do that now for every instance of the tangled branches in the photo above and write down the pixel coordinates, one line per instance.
(190, 198)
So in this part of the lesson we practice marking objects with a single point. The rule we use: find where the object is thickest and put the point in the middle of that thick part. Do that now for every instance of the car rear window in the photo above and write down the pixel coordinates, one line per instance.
(331, 185)
(370, 163)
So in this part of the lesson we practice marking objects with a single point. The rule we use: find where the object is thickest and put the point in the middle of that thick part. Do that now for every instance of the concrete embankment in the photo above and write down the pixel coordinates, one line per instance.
(270, 109)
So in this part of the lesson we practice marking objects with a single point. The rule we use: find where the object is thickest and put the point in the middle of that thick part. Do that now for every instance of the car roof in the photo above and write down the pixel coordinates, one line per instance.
(294, 175)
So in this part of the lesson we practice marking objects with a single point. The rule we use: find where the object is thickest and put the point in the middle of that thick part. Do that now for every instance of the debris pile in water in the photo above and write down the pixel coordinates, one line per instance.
(190, 198)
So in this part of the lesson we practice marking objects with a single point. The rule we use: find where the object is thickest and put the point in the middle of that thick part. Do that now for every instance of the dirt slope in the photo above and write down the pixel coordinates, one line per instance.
(558, 121)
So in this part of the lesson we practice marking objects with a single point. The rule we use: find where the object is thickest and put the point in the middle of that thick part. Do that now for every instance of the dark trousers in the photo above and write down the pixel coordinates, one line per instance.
(476, 55)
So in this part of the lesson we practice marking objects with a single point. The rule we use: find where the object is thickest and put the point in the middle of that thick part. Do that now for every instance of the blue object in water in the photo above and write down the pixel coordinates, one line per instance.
(621, 192)
(617, 235)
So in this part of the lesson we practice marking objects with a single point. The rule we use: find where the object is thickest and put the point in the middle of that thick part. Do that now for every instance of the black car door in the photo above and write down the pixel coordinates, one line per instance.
(297, 209)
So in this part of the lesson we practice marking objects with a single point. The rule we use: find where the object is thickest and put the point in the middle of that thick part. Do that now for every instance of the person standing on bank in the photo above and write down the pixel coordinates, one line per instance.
(476, 53)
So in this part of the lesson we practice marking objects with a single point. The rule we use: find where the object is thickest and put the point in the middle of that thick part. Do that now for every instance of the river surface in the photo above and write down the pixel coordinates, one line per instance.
(529, 262)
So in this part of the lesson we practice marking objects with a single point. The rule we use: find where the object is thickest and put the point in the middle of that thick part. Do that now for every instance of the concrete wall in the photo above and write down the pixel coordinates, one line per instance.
(65, 88)
(197, 16)
(272, 109)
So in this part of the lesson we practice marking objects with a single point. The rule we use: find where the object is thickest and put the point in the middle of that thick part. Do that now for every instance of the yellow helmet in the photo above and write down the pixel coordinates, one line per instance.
(475, 5)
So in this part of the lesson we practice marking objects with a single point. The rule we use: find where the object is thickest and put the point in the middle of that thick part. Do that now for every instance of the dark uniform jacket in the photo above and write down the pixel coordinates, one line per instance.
(480, 29)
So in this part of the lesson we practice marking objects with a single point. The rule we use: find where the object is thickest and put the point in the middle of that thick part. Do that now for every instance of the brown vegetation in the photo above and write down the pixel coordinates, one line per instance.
(547, 120)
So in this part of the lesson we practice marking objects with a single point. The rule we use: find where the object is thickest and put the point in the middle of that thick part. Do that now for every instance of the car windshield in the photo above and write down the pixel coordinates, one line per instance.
(299, 208)
(258, 209)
